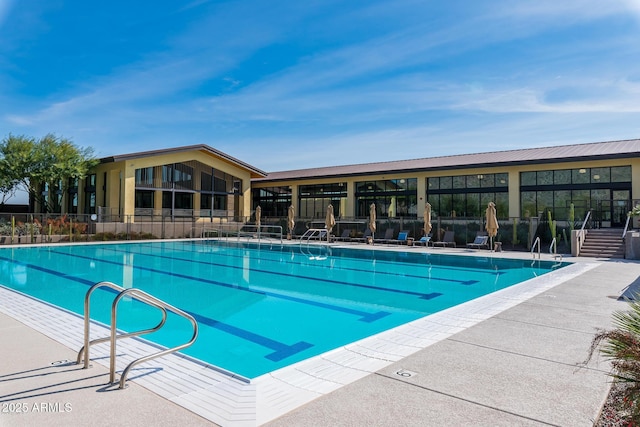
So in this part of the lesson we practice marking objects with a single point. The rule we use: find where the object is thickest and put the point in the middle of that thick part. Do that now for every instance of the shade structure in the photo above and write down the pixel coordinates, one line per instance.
(329, 221)
(291, 223)
(372, 218)
(427, 219)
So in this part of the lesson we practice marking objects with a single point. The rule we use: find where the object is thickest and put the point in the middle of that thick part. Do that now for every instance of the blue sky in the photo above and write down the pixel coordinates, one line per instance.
(296, 84)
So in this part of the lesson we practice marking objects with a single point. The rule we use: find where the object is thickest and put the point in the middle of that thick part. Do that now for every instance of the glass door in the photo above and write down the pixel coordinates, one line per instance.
(620, 207)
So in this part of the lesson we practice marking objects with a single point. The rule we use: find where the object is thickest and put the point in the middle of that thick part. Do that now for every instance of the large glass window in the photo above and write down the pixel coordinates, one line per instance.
(144, 177)
(185, 179)
(90, 194)
(274, 201)
(468, 195)
(314, 199)
(72, 192)
(393, 197)
(595, 189)
(144, 199)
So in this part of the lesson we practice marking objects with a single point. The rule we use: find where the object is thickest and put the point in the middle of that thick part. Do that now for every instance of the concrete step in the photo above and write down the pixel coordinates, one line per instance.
(603, 243)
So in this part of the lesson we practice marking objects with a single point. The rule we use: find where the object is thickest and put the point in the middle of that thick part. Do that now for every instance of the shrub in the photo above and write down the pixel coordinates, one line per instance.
(622, 347)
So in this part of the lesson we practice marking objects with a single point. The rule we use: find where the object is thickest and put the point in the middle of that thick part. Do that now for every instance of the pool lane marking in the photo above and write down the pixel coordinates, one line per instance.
(364, 316)
(420, 295)
(480, 266)
(280, 350)
(363, 270)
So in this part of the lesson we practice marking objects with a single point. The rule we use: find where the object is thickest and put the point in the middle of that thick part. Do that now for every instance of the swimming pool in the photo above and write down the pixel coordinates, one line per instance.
(261, 307)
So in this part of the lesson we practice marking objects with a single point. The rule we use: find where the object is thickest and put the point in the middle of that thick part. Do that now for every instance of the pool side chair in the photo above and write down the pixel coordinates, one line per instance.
(402, 238)
(344, 237)
(363, 239)
(481, 241)
(388, 237)
(423, 241)
(447, 240)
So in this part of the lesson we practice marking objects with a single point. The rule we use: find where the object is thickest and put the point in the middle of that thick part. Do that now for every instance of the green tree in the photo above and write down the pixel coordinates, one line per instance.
(27, 164)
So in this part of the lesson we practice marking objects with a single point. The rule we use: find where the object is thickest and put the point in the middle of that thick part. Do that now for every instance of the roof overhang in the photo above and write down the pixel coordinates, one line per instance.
(255, 172)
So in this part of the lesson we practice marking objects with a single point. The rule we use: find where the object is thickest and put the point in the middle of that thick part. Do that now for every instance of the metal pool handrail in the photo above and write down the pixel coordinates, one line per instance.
(149, 299)
(141, 296)
(536, 243)
(87, 322)
(313, 232)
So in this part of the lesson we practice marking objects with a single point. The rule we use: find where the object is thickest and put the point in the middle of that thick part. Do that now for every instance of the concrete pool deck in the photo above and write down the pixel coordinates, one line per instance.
(518, 366)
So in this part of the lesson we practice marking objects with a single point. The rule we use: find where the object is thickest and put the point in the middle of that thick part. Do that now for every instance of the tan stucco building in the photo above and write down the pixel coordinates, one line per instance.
(199, 181)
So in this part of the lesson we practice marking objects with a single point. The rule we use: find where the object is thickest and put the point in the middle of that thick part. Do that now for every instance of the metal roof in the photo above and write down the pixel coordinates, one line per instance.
(255, 172)
(557, 154)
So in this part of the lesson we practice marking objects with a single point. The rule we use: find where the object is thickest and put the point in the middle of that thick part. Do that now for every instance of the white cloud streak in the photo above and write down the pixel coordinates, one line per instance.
(375, 92)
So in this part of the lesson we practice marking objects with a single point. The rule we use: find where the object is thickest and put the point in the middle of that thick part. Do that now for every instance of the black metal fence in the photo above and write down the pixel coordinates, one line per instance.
(514, 233)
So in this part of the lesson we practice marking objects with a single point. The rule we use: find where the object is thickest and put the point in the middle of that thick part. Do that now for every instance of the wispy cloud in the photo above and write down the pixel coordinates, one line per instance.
(5, 6)
(424, 77)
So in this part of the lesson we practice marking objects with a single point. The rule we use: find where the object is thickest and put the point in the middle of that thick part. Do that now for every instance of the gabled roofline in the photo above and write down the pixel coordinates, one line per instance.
(544, 155)
(255, 172)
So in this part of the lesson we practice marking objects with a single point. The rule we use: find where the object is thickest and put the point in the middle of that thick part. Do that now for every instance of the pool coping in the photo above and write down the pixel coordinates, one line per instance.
(231, 401)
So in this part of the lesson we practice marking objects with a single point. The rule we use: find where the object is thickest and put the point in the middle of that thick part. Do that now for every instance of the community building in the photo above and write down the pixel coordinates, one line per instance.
(602, 177)
(199, 181)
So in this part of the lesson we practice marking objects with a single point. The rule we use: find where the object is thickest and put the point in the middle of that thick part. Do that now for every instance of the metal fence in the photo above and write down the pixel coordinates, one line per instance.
(514, 233)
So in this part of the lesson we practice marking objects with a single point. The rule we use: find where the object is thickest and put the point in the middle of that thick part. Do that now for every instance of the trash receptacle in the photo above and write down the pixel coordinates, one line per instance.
(497, 246)
(409, 241)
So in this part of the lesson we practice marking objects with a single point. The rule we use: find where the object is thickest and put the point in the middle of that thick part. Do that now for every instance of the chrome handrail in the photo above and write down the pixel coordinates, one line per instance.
(586, 218)
(536, 243)
(149, 299)
(141, 296)
(553, 246)
(312, 232)
(87, 322)
(626, 227)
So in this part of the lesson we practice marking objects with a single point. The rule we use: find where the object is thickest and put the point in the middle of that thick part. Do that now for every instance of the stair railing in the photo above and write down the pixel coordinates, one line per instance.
(582, 234)
(626, 227)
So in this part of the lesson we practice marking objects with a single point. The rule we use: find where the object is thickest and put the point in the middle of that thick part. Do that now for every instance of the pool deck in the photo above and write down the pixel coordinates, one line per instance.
(510, 359)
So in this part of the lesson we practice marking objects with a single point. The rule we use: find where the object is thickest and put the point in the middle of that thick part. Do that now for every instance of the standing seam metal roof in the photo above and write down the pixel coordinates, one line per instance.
(563, 153)
(200, 147)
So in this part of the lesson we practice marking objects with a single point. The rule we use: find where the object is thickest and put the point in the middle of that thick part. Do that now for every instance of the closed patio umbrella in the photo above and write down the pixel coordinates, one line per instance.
(492, 221)
(290, 220)
(427, 219)
(329, 222)
(372, 219)
(258, 216)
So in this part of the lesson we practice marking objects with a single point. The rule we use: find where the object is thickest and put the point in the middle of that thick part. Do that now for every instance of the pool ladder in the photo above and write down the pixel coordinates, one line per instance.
(552, 250)
(139, 295)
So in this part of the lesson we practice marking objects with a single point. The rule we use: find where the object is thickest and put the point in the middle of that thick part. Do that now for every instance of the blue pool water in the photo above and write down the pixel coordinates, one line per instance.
(260, 307)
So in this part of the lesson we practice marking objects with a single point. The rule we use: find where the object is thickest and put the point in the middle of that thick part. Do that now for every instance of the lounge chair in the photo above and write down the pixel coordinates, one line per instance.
(344, 237)
(423, 241)
(402, 238)
(479, 242)
(388, 237)
(447, 240)
(363, 239)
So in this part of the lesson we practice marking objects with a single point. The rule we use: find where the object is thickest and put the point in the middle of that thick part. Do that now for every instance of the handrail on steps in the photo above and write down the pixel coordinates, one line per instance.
(626, 227)
(586, 218)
